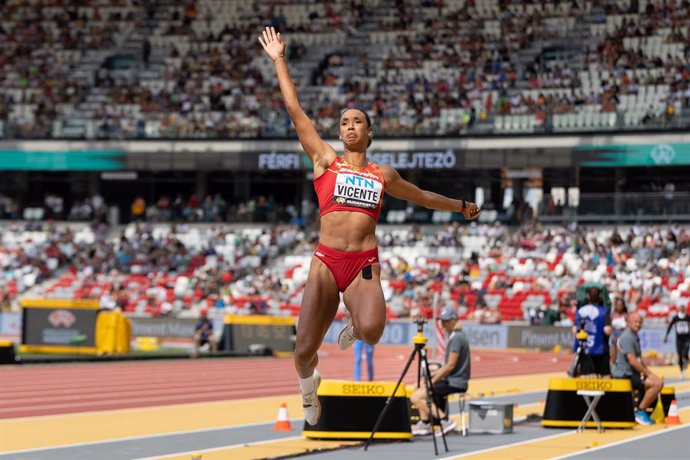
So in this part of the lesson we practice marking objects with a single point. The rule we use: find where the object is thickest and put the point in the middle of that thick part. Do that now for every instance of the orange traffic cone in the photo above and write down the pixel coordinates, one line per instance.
(283, 422)
(673, 418)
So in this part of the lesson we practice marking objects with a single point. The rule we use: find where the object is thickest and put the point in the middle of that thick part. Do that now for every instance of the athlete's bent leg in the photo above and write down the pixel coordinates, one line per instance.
(364, 298)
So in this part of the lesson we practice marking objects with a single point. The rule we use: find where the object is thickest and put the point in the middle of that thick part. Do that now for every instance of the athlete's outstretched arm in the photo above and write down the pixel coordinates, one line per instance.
(398, 187)
(315, 148)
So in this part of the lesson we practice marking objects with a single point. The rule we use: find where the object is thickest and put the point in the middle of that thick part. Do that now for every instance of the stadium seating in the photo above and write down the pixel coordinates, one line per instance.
(527, 270)
(488, 66)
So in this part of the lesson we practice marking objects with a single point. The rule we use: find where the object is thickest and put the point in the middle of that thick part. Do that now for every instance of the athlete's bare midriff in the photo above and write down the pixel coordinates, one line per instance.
(348, 231)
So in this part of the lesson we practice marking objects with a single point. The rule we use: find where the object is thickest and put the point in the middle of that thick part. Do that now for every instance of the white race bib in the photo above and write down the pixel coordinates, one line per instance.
(361, 192)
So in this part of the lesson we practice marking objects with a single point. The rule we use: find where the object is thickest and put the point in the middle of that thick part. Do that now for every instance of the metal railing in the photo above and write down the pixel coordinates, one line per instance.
(651, 206)
(277, 127)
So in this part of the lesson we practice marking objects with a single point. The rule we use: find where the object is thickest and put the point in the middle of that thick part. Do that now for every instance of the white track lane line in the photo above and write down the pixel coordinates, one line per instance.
(231, 446)
(569, 432)
(618, 443)
(515, 444)
(137, 438)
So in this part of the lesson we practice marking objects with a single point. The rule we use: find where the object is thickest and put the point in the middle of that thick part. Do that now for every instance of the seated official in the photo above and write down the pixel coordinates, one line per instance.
(203, 334)
(452, 377)
(629, 365)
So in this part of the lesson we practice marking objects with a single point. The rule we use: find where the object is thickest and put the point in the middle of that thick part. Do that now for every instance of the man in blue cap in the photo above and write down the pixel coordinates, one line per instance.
(452, 377)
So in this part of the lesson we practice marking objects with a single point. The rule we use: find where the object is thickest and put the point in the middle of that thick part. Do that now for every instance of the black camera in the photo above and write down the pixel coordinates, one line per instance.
(420, 321)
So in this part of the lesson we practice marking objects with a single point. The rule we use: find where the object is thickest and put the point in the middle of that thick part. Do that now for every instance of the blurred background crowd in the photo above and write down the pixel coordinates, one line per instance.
(490, 273)
(192, 69)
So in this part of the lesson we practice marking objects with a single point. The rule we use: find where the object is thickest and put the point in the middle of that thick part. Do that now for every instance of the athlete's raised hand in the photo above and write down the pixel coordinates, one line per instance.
(471, 211)
(272, 43)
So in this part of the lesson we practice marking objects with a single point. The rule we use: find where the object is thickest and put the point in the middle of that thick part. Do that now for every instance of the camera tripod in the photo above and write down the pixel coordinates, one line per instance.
(419, 351)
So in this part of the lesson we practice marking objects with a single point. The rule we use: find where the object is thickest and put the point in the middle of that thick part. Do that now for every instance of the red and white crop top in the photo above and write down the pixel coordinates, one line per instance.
(344, 187)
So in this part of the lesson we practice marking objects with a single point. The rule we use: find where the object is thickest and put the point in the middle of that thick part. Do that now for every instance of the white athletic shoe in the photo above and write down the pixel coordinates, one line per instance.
(346, 337)
(311, 403)
(446, 426)
(421, 429)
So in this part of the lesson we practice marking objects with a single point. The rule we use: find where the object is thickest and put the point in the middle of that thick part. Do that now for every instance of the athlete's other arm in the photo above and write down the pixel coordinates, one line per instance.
(316, 149)
(399, 188)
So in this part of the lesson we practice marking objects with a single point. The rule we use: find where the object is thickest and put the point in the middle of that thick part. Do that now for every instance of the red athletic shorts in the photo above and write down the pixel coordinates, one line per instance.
(346, 265)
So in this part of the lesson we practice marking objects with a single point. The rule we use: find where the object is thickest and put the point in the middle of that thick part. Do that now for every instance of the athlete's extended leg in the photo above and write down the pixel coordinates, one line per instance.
(319, 306)
(364, 298)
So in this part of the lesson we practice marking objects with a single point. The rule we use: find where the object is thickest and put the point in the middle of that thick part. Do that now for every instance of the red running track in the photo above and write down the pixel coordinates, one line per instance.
(34, 390)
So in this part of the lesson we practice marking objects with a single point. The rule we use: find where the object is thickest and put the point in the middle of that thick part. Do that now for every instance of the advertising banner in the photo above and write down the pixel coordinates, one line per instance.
(401, 333)
(241, 332)
(486, 335)
(662, 154)
(167, 327)
(546, 337)
(395, 333)
(653, 339)
(542, 337)
(78, 160)
(59, 325)
(433, 159)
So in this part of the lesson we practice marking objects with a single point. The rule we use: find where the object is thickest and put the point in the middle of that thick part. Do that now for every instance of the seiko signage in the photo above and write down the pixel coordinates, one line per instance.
(364, 390)
(594, 385)
(441, 159)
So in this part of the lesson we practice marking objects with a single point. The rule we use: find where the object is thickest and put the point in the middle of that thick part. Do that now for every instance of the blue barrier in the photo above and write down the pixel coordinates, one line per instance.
(11, 325)
(401, 333)
(396, 333)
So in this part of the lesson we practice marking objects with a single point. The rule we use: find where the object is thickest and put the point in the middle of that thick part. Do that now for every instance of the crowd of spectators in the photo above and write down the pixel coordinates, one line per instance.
(203, 78)
(490, 273)
(215, 208)
(55, 208)
(180, 208)
(210, 84)
(43, 42)
(645, 266)
(31, 254)
(9, 209)
(142, 257)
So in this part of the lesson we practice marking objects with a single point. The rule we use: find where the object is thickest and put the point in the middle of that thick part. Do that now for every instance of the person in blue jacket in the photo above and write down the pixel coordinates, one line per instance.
(595, 319)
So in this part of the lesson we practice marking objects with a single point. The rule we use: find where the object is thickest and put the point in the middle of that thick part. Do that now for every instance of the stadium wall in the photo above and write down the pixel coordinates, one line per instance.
(422, 154)
(396, 333)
